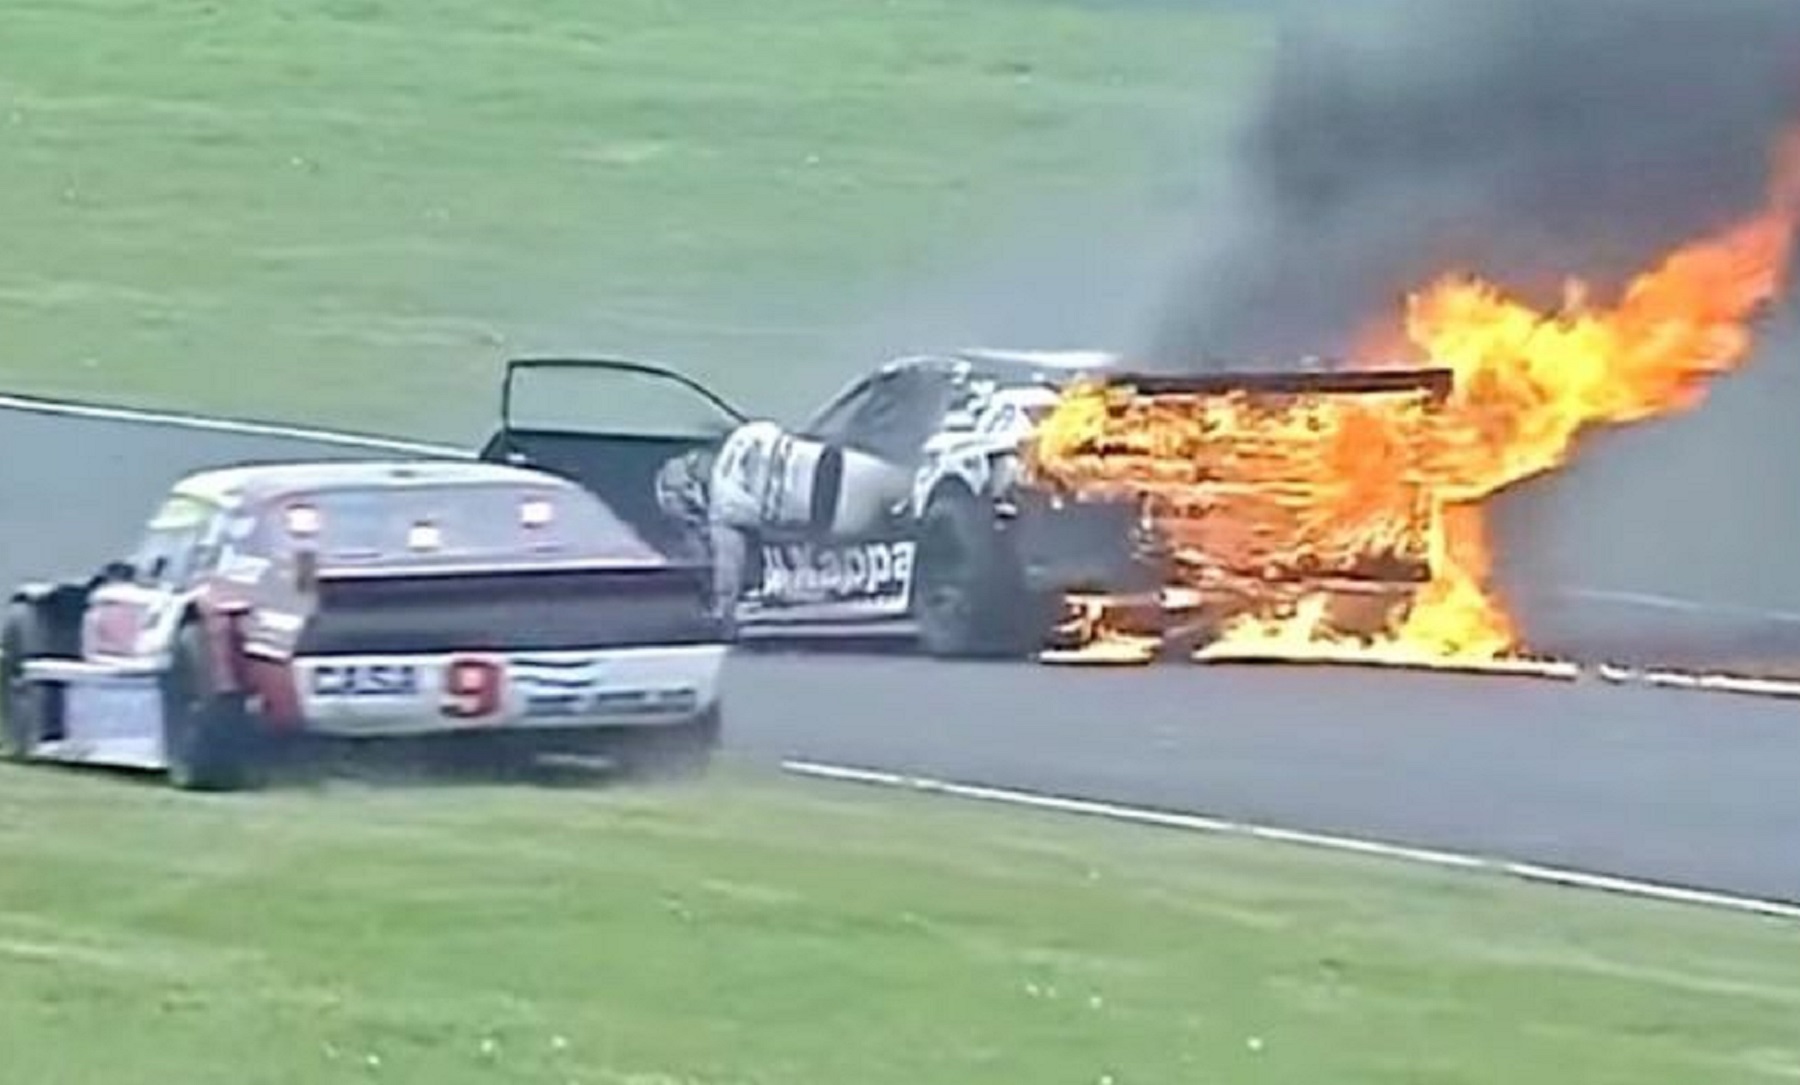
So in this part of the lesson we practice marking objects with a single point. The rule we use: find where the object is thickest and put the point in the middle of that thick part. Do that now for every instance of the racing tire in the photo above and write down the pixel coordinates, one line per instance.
(970, 599)
(682, 751)
(27, 711)
(208, 735)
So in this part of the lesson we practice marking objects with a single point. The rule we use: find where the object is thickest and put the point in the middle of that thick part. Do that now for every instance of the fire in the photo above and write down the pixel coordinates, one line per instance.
(1526, 385)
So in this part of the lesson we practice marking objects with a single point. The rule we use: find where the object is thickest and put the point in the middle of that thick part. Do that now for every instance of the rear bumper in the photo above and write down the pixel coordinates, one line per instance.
(397, 696)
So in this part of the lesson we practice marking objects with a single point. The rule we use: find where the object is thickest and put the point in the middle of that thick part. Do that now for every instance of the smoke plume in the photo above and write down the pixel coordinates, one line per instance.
(1523, 140)
(1527, 141)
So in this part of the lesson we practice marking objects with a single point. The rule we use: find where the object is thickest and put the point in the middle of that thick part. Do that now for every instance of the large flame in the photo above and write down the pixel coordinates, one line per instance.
(1526, 385)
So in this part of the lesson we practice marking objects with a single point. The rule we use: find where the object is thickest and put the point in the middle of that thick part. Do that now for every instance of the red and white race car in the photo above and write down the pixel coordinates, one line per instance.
(269, 604)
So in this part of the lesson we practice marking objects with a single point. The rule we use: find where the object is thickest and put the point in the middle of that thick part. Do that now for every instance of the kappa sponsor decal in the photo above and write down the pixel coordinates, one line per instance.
(802, 572)
(362, 681)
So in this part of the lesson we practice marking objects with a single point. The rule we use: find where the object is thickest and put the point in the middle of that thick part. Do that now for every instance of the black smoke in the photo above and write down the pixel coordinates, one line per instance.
(1527, 141)
(1523, 140)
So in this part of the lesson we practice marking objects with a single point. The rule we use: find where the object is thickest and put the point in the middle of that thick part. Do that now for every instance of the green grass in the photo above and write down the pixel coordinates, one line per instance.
(748, 931)
(351, 210)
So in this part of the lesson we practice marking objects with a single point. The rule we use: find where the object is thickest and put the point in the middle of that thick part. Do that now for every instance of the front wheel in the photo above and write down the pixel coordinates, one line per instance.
(970, 597)
(208, 734)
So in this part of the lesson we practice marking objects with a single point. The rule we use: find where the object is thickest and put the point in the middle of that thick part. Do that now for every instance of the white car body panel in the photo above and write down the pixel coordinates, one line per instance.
(419, 694)
(110, 717)
(978, 456)
(760, 495)
(113, 716)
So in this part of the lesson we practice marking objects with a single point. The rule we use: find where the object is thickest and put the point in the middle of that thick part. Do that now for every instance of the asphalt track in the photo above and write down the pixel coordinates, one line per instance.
(1686, 788)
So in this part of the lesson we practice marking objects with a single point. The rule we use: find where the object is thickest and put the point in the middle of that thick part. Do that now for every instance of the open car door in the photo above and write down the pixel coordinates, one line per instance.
(609, 424)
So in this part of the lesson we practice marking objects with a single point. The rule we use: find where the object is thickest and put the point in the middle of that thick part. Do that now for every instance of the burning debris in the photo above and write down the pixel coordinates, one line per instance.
(1283, 502)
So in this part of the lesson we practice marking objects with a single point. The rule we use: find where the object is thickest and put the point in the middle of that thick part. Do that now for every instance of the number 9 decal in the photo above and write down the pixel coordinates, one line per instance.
(472, 688)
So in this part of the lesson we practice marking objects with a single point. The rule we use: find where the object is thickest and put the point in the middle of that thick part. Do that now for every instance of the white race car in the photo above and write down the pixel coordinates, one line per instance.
(266, 606)
(902, 506)
(884, 513)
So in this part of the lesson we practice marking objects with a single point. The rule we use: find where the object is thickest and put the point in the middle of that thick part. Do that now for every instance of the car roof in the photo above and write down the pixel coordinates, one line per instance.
(250, 483)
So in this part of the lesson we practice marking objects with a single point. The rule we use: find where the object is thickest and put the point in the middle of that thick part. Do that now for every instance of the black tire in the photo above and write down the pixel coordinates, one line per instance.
(678, 752)
(27, 712)
(208, 735)
(970, 599)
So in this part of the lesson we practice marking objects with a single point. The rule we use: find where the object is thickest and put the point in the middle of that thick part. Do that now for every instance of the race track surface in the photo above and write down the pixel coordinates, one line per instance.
(1688, 788)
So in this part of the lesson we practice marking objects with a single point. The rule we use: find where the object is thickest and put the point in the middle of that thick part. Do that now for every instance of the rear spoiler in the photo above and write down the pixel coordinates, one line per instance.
(560, 606)
(1437, 382)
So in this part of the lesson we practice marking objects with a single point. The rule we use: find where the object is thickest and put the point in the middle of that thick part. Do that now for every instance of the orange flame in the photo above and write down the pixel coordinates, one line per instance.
(1262, 498)
(1528, 383)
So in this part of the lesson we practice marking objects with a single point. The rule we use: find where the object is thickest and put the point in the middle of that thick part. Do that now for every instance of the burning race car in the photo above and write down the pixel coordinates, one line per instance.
(1001, 503)
(274, 603)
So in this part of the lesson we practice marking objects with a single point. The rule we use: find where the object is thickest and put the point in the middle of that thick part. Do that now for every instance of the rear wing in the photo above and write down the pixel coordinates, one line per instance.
(556, 606)
(582, 392)
(1437, 383)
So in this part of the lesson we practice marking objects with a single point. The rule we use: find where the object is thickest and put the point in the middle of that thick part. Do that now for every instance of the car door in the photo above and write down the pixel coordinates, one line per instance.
(131, 614)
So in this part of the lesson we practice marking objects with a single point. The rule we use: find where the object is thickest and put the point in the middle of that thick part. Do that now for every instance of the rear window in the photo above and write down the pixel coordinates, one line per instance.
(435, 523)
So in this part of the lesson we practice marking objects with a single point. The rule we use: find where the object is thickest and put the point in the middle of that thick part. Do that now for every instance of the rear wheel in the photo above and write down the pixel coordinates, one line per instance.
(26, 709)
(970, 597)
(207, 734)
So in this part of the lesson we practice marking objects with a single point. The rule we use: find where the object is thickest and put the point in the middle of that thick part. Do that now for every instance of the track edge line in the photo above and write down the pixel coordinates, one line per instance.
(1533, 873)
(68, 408)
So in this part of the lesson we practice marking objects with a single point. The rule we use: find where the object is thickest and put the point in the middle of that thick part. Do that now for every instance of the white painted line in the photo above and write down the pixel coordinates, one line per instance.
(1529, 872)
(1556, 669)
(1700, 681)
(1725, 683)
(1669, 602)
(1674, 894)
(69, 409)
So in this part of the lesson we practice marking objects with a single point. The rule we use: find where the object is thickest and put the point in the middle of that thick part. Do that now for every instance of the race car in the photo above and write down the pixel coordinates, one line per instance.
(814, 530)
(268, 606)
(907, 504)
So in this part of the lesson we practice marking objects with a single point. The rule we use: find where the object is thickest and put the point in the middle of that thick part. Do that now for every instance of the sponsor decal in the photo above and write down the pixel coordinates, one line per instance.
(473, 686)
(577, 688)
(360, 681)
(613, 703)
(805, 573)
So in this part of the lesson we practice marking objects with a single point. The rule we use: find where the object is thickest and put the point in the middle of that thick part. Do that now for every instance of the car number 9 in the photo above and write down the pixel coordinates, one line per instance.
(472, 688)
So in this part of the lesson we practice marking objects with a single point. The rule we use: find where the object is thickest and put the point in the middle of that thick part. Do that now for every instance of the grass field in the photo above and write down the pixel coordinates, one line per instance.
(750, 931)
(349, 211)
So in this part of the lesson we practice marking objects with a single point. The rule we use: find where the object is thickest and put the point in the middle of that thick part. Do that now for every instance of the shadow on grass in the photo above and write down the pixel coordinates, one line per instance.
(412, 763)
